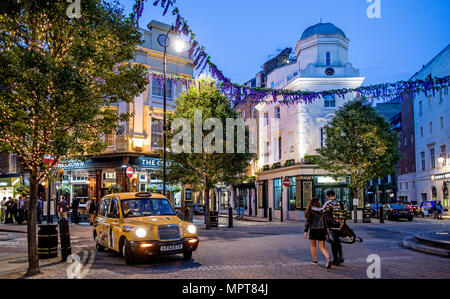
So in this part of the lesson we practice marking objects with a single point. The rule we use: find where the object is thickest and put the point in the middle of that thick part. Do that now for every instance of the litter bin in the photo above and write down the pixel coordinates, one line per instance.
(366, 216)
(214, 218)
(47, 241)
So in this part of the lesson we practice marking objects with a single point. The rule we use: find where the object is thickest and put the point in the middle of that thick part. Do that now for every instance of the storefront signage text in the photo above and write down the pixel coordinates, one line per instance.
(442, 176)
(152, 162)
(72, 164)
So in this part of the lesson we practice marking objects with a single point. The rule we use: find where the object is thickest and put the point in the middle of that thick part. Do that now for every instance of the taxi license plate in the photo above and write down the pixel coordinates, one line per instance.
(171, 247)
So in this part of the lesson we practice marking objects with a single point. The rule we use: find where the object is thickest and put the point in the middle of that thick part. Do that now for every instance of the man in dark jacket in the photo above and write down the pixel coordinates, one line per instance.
(336, 215)
(75, 206)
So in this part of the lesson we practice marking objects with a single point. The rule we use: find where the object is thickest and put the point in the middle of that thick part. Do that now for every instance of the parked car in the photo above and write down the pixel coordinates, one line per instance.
(426, 208)
(138, 225)
(373, 209)
(198, 209)
(397, 211)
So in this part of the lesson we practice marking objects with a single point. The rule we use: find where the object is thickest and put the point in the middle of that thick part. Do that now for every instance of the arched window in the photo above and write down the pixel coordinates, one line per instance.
(434, 193)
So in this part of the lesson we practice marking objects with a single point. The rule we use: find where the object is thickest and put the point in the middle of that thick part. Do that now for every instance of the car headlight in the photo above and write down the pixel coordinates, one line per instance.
(140, 232)
(192, 229)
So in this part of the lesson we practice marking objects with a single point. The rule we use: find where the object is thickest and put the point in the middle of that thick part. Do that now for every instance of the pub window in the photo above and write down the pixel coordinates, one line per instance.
(266, 118)
(292, 194)
(277, 194)
(277, 112)
(279, 148)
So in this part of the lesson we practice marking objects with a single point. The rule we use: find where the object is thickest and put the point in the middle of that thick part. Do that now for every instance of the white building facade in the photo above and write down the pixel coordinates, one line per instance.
(431, 180)
(290, 135)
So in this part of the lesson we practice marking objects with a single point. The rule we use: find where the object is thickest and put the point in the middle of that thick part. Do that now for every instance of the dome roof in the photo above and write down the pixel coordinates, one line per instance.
(322, 28)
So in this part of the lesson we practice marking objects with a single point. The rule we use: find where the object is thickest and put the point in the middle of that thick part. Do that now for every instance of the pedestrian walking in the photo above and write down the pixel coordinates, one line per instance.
(437, 208)
(75, 206)
(63, 207)
(3, 209)
(335, 215)
(315, 224)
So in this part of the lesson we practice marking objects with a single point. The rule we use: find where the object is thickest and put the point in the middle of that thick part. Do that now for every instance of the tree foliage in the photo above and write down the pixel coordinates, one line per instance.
(60, 79)
(359, 144)
(203, 171)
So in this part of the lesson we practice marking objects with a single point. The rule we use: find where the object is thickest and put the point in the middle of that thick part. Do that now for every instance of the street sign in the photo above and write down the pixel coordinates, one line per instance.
(286, 182)
(48, 159)
(129, 172)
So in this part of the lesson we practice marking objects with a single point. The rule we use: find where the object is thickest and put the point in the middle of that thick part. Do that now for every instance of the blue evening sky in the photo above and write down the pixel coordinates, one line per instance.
(241, 34)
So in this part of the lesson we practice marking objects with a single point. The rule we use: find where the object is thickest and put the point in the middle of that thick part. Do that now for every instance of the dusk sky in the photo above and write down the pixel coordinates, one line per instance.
(241, 34)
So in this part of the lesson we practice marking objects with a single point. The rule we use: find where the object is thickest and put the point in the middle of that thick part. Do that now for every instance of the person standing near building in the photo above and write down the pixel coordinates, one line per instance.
(8, 216)
(3, 209)
(63, 207)
(26, 207)
(39, 207)
(20, 213)
(91, 207)
(15, 210)
(75, 206)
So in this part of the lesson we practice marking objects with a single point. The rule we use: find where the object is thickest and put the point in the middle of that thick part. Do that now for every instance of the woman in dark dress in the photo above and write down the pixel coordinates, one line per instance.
(315, 224)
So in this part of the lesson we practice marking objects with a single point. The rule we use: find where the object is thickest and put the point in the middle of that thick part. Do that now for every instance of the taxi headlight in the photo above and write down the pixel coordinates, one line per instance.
(140, 232)
(192, 229)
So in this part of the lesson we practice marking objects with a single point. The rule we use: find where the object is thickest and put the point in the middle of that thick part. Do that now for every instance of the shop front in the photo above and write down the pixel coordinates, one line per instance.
(8, 186)
(288, 202)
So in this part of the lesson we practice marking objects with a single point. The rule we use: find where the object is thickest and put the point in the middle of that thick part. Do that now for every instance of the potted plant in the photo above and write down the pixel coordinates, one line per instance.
(115, 188)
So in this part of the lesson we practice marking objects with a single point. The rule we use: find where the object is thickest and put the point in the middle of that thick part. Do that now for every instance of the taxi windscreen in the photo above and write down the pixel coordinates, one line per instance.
(141, 207)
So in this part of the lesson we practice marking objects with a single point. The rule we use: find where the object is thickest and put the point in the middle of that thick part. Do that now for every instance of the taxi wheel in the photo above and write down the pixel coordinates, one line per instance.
(127, 254)
(100, 248)
(187, 255)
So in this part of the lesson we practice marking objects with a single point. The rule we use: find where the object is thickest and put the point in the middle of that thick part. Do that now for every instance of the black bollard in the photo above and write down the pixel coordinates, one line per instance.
(230, 217)
(381, 215)
(270, 214)
(64, 237)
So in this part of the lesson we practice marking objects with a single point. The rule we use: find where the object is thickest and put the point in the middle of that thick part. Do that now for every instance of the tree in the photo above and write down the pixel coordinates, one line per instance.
(359, 144)
(203, 169)
(59, 77)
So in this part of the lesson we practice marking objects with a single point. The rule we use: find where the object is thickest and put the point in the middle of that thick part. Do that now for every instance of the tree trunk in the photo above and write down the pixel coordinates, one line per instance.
(207, 217)
(33, 259)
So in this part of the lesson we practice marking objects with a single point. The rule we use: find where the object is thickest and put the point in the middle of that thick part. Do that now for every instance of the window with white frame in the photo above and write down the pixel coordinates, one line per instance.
(12, 163)
(277, 112)
(158, 90)
(110, 139)
(328, 59)
(157, 133)
(266, 118)
(329, 101)
(266, 152)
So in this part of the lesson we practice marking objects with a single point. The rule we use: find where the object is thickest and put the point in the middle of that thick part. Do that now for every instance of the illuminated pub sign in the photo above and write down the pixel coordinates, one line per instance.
(151, 162)
(441, 176)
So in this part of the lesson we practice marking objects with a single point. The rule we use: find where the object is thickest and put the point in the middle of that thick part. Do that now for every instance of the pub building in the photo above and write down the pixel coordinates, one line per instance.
(138, 144)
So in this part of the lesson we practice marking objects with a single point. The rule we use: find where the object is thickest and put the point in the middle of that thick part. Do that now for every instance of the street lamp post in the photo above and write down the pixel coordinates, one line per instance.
(164, 41)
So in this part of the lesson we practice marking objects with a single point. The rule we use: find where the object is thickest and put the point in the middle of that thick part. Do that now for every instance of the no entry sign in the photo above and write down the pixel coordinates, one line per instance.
(286, 182)
(129, 171)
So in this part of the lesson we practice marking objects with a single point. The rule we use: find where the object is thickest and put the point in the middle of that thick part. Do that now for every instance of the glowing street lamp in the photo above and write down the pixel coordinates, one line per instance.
(179, 45)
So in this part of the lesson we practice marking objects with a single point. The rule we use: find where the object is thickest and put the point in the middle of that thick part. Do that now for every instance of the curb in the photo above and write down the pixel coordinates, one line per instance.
(411, 244)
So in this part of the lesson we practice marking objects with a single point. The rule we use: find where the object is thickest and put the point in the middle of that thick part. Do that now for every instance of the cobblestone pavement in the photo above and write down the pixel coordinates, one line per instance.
(249, 250)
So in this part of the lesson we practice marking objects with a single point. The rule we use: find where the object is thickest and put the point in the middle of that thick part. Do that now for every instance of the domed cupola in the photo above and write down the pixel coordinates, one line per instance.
(322, 28)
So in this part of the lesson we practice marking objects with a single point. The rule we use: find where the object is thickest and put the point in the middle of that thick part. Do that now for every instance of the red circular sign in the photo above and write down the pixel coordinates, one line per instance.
(129, 171)
(48, 159)
(286, 182)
